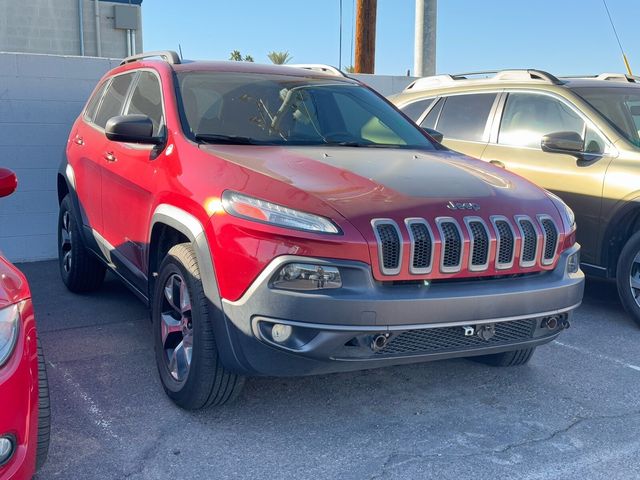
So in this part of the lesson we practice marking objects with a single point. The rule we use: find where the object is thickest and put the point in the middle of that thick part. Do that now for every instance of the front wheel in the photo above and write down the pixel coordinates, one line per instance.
(507, 359)
(186, 353)
(628, 277)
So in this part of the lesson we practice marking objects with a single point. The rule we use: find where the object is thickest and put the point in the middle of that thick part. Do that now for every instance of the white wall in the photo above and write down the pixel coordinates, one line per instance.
(40, 97)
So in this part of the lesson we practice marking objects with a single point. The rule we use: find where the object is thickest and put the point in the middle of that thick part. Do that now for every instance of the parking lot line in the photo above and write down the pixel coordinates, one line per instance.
(598, 355)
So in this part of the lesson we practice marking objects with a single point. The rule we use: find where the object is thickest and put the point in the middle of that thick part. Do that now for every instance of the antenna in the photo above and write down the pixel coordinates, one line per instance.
(180, 50)
(624, 57)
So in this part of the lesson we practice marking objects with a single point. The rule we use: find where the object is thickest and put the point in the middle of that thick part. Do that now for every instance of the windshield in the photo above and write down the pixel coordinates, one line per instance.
(260, 109)
(619, 105)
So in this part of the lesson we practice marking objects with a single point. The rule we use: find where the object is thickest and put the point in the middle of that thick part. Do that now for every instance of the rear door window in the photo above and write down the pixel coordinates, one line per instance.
(528, 117)
(464, 117)
(94, 102)
(114, 99)
(415, 110)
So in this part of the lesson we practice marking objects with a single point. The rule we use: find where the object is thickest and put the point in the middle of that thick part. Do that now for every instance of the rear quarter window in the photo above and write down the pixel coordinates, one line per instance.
(414, 110)
(94, 101)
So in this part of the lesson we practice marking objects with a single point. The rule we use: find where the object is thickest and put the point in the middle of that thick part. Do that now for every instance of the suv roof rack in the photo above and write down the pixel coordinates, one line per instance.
(168, 56)
(619, 77)
(319, 67)
(496, 75)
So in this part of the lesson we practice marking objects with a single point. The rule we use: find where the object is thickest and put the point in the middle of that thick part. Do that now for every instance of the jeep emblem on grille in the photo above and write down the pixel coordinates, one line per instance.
(463, 206)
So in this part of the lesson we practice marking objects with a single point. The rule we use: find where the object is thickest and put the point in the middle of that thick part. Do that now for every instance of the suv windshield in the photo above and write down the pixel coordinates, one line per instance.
(619, 105)
(240, 108)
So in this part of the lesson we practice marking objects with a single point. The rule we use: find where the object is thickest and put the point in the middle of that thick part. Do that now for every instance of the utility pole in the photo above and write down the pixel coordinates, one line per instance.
(424, 53)
(365, 36)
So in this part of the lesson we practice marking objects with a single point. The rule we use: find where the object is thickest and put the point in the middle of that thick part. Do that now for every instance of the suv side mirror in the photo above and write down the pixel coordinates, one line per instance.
(131, 129)
(436, 135)
(8, 182)
(570, 143)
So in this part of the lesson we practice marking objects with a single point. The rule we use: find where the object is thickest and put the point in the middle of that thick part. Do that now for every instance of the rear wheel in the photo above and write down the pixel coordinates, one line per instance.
(186, 353)
(44, 411)
(628, 277)
(81, 271)
(507, 359)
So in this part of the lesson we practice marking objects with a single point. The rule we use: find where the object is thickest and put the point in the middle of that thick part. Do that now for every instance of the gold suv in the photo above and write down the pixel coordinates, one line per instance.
(578, 137)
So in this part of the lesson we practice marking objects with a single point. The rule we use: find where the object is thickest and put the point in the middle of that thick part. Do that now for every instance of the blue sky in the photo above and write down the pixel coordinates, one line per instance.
(561, 36)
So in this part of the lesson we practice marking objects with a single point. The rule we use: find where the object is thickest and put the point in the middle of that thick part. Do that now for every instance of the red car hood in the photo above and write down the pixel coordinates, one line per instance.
(366, 183)
(13, 284)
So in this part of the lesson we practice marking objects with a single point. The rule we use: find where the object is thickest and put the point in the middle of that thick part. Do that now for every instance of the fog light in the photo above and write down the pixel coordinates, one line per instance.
(305, 276)
(573, 263)
(281, 333)
(7, 446)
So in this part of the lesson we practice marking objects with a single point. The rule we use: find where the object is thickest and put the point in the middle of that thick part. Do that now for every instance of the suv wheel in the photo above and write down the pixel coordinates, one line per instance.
(628, 277)
(80, 269)
(186, 354)
(507, 359)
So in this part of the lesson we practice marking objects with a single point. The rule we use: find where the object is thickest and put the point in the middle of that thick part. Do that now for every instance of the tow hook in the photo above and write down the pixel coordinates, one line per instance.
(378, 342)
(564, 323)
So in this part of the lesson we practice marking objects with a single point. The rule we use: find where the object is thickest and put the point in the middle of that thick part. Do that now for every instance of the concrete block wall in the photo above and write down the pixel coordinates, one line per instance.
(40, 97)
(52, 27)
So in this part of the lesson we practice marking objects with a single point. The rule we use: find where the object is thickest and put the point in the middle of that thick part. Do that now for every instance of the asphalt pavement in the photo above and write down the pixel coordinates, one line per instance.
(572, 413)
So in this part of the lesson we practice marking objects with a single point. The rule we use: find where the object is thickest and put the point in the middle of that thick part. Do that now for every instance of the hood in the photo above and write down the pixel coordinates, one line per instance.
(362, 183)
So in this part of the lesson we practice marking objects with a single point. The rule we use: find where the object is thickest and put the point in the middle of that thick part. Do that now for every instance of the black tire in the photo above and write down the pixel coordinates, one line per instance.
(507, 359)
(627, 269)
(44, 412)
(81, 270)
(206, 382)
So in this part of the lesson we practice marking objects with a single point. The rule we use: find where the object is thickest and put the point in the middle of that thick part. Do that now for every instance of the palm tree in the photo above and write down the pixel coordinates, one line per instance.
(279, 58)
(350, 69)
(236, 56)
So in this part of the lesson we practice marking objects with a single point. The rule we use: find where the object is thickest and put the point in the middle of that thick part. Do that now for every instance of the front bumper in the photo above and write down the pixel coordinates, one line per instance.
(333, 329)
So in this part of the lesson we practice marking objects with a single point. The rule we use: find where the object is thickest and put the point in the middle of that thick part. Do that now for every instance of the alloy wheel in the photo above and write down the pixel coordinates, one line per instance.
(176, 327)
(66, 241)
(634, 278)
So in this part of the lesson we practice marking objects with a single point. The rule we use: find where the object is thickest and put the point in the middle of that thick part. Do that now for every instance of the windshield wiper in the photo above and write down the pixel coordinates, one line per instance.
(225, 139)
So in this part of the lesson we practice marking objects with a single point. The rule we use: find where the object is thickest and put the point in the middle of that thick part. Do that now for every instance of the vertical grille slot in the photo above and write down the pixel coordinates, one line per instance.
(389, 245)
(479, 244)
(452, 245)
(529, 246)
(506, 243)
(421, 259)
(550, 239)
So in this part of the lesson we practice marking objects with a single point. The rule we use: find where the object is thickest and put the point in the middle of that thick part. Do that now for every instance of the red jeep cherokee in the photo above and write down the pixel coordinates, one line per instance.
(281, 221)
(24, 391)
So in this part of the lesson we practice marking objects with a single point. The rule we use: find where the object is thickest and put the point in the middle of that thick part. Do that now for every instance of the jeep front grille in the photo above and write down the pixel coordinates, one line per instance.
(389, 245)
(498, 242)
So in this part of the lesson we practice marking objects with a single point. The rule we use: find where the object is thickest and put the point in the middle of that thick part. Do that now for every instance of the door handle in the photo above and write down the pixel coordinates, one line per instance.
(497, 163)
(78, 140)
(110, 157)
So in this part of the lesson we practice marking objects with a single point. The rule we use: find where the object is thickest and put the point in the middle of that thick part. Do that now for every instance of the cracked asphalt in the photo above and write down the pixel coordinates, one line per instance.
(572, 413)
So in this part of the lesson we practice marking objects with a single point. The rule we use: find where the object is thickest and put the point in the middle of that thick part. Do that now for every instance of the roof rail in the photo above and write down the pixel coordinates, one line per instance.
(168, 56)
(499, 75)
(618, 77)
(319, 67)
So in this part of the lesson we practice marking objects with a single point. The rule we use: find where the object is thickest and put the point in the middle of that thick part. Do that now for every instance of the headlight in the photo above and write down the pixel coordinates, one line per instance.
(9, 322)
(262, 211)
(568, 217)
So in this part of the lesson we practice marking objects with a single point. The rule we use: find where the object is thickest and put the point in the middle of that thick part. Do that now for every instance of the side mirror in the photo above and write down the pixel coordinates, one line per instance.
(131, 129)
(436, 135)
(8, 182)
(570, 143)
